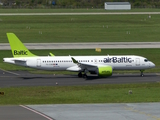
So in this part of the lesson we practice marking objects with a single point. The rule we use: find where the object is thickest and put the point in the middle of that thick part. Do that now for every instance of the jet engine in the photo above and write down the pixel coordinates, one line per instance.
(104, 71)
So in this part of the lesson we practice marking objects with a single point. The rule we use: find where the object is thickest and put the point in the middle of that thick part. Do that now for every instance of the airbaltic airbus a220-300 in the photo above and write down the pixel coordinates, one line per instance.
(100, 65)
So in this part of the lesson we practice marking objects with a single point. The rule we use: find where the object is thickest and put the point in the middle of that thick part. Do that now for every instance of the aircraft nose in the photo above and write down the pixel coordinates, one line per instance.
(152, 64)
(3, 59)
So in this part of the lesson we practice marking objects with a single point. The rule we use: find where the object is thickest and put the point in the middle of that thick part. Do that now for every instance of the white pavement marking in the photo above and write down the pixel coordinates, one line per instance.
(36, 112)
(9, 72)
(93, 13)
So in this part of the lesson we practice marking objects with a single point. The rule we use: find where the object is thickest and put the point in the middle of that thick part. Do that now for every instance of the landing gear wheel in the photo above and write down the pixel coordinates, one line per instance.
(79, 74)
(142, 73)
(85, 76)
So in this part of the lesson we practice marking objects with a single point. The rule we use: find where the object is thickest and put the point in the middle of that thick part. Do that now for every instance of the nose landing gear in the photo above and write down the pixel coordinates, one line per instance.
(142, 73)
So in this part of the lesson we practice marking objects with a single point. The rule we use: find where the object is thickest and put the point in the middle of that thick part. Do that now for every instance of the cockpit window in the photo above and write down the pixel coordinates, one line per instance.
(146, 60)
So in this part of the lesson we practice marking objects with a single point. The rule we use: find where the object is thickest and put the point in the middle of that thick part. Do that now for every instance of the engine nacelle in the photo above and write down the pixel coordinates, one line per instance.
(104, 71)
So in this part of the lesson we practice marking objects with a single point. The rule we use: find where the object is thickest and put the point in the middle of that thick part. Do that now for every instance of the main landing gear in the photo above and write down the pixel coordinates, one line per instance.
(85, 76)
(82, 75)
(142, 73)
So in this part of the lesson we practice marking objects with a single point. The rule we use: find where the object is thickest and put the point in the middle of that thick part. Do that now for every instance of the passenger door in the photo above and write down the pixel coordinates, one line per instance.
(38, 62)
(137, 62)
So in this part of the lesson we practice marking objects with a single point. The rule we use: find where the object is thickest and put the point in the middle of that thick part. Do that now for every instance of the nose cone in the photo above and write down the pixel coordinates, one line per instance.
(4, 60)
(152, 65)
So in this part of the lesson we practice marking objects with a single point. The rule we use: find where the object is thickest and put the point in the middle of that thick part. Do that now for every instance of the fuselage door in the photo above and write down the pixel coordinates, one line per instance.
(38, 62)
(95, 61)
(137, 62)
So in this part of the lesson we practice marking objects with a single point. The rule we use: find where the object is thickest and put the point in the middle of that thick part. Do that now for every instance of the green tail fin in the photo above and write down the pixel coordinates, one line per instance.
(17, 47)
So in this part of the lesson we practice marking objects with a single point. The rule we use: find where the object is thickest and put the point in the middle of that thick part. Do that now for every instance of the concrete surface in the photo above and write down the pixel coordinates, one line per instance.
(91, 45)
(108, 111)
(122, 111)
(85, 13)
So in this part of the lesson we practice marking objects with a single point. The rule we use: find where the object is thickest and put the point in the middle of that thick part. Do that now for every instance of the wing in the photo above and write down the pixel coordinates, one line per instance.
(81, 66)
(101, 70)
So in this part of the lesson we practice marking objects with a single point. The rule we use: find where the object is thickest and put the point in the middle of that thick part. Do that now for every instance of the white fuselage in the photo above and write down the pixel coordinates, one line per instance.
(125, 62)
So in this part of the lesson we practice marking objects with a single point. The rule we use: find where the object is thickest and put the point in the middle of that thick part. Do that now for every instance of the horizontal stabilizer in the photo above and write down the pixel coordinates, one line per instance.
(20, 60)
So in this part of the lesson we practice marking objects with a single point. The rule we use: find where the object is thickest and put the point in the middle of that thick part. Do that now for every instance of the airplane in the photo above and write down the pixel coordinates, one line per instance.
(103, 66)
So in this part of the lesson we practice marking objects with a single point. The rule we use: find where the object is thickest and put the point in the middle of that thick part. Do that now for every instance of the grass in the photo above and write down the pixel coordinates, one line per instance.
(83, 28)
(146, 92)
(151, 54)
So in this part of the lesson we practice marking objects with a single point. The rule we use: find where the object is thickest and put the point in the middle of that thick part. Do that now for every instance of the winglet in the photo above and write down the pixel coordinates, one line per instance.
(17, 47)
(51, 54)
(74, 61)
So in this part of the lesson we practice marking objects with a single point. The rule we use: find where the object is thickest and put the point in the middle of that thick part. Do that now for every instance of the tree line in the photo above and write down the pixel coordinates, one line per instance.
(75, 3)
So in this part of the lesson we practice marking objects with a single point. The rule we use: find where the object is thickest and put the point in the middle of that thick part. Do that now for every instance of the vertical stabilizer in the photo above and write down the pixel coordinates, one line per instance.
(17, 47)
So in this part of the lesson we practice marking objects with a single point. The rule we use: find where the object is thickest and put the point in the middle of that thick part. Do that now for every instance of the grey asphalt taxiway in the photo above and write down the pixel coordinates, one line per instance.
(23, 78)
(20, 113)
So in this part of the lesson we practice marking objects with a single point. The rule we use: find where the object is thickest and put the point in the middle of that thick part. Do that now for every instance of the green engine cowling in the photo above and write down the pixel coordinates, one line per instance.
(104, 71)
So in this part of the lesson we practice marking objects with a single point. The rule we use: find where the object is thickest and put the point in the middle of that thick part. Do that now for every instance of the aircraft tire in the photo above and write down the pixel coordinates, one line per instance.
(85, 76)
(79, 74)
(142, 73)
